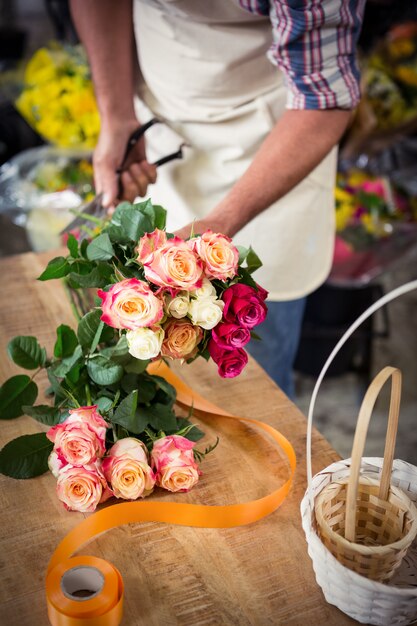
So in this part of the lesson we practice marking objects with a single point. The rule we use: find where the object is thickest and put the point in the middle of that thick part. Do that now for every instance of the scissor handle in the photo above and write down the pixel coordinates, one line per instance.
(134, 138)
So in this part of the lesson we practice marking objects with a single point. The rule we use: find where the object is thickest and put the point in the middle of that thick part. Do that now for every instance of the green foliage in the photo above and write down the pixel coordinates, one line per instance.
(26, 352)
(15, 393)
(66, 341)
(26, 456)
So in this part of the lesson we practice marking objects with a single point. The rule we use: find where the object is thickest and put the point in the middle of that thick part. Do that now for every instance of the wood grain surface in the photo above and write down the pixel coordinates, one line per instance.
(257, 575)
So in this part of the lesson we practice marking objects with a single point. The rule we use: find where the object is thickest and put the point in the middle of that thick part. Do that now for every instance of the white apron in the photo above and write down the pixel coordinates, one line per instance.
(205, 72)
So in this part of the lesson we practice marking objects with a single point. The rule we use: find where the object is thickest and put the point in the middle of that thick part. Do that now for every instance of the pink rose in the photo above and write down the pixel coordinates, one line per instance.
(244, 306)
(174, 265)
(229, 336)
(149, 243)
(229, 363)
(82, 488)
(181, 339)
(219, 255)
(173, 460)
(127, 469)
(130, 304)
(80, 440)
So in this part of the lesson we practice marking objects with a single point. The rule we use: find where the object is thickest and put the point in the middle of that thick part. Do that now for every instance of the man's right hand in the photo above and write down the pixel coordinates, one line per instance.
(107, 158)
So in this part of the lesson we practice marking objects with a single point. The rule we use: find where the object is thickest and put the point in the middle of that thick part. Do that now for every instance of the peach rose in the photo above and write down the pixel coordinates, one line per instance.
(130, 304)
(173, 460)
(174, 265)
(82, 488)
(80, 440)
(127, 469)
(220, 257)
(149, 243)
(181, 339)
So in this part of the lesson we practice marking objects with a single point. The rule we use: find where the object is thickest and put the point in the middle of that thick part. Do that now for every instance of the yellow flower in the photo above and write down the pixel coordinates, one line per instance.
(58, 98)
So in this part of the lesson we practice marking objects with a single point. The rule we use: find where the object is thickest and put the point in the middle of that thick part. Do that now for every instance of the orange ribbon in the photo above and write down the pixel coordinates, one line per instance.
(76, 612)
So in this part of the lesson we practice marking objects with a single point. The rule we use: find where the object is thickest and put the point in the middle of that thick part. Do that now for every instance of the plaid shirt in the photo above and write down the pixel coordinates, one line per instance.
(314, 44)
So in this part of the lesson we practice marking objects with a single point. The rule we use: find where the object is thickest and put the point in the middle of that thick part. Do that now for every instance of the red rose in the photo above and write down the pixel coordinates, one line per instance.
(230, 363)
(244, 306)
(229, 336)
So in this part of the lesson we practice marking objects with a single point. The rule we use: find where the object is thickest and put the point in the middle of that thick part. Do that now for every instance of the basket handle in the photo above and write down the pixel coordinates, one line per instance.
(364, 418)
(388, 297)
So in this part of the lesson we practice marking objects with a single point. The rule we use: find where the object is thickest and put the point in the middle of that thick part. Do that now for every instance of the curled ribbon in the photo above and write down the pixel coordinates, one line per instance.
(105, 608)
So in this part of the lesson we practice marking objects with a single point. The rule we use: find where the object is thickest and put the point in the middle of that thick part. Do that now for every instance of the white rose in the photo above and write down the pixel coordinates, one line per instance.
(207, 290)
(178, 306)
(206, 313)
(145, 343)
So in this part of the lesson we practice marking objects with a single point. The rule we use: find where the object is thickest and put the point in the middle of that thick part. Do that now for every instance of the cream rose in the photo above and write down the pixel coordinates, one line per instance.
(181, 339)
(177, 306)
(207, 290)
(174, 265)
(82, 488)
(130, 304)
(206, 313)
(173, 460)
(127, 469)
(220, 257)
(145, 343)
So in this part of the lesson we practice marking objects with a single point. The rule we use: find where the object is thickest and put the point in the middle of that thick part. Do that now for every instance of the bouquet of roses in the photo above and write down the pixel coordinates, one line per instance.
(113, 430)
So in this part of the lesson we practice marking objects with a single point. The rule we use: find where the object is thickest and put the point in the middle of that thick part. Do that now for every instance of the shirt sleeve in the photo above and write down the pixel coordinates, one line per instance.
(314, 44)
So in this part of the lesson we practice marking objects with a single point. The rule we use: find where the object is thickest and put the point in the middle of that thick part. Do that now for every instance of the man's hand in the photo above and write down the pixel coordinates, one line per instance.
(108, 156)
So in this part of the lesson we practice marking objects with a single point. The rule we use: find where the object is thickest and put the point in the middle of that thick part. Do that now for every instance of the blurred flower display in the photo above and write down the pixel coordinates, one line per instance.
(376, 222)
(58, 99)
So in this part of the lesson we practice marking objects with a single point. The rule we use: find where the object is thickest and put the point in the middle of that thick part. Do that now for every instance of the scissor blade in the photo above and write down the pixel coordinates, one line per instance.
(94, 208)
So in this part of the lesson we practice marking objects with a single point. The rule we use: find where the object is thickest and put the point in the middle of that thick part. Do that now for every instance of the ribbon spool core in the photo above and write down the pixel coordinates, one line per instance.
(82, 583)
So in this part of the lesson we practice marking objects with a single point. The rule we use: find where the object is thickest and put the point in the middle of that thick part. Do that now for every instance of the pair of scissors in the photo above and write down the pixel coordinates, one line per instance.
(95, 207)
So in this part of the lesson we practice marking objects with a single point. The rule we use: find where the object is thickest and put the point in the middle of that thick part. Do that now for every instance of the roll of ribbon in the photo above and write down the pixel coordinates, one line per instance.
(69, 611)
(84, 590)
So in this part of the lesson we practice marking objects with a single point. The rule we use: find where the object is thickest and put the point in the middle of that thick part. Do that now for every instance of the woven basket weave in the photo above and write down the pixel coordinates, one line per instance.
(365, 524)
(390, 603)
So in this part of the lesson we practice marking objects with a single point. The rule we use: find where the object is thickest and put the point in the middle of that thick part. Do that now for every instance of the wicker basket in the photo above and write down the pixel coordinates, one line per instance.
(365, 524)
(366, 600)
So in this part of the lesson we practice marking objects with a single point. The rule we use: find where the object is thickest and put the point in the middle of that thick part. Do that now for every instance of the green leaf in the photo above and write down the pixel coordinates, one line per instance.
(159, 416)
(246, 278)
(98, 277)
(166, 387)
(26, 456)
(125, 414)
(104, 404)
(88, 326)
(72, 245)
(160, 216)
(26, 352)
(66, 342)
(97, 336)
(61, 368)
(136, 366)
(100, 249)
(243, 253)
(44, 414)
(132, 220)
(129, 383)
(103, 371)
(83, 248)
(14, 394)
(56, 268)
(253, 261)
(195, 434)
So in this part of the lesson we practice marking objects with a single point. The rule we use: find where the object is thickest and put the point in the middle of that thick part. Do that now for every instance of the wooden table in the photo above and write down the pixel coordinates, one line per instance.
(174, 576)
